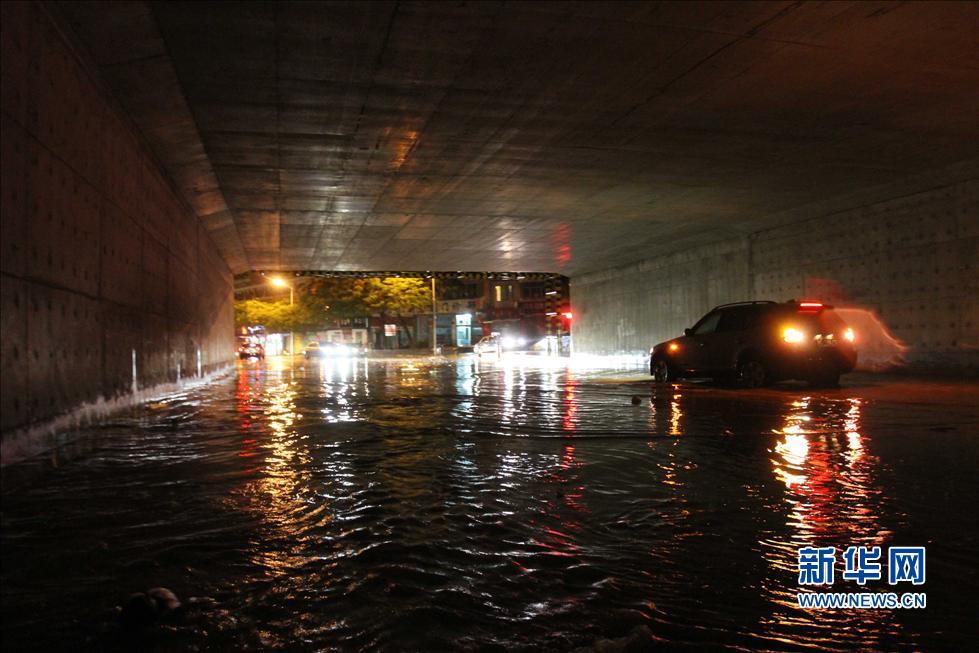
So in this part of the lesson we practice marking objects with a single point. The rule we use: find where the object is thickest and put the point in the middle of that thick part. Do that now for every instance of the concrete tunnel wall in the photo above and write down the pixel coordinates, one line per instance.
(100, 258)
(902, 271)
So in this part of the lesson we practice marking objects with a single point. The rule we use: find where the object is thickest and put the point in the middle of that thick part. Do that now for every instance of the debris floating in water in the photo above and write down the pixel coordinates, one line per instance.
(146, 608)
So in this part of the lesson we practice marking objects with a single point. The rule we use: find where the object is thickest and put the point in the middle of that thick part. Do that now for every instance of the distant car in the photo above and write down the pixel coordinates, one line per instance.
(758, 343)
(251, 350)
(332, 350)
(315, 349)
(488, 345)
(496, 344)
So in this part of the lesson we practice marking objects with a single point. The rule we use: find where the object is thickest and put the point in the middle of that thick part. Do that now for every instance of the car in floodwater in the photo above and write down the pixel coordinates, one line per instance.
(495, 344)
(251, 350)
(761, 342)
(488, 345)
(316, 349)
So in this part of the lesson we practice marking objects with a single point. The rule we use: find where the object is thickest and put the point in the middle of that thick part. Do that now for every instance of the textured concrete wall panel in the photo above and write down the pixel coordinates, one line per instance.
(101, 262)
(18, 87)
(63, 216)
(154, 354)
(155, 262)
(906, 267)
(183, 237)
(14, 409)
(121, 257)
(65, 337)
(906, 260)
(13, 195)
(184, 342)
(121, 336)
(628, 309)
(182, 289)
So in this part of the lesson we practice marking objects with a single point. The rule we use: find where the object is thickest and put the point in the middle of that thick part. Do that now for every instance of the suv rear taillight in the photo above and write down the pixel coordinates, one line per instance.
(810, 307)
(793, 335)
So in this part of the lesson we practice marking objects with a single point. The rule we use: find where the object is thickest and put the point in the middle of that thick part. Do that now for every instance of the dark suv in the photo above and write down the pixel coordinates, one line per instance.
(759, 343)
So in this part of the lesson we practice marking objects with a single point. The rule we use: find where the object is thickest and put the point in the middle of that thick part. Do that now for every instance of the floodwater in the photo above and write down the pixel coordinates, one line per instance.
(522, 504)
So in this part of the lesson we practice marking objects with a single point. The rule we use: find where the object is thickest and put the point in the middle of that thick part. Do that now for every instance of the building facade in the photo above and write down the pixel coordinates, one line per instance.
(470, 308)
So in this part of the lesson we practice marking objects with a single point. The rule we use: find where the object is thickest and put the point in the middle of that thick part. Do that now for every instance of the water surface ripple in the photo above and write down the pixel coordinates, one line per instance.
(409, 504)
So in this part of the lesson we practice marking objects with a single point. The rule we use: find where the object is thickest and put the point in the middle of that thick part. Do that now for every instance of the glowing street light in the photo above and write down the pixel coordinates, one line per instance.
(279, 282)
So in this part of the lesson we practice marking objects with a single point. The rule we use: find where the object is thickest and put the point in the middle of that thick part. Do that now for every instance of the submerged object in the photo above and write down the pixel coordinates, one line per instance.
(145, 608)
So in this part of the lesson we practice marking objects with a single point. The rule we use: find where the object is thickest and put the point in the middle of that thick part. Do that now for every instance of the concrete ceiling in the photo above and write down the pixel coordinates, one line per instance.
(561, 137)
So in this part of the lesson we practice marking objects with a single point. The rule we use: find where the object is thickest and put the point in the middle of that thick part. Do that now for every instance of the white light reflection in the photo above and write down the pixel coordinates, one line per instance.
(275, 493)
(675, 414)
(794, 447)
(509, 412)
(822, 460)
(466, 382)
(570, 420)
(853, 438)
(339, 379)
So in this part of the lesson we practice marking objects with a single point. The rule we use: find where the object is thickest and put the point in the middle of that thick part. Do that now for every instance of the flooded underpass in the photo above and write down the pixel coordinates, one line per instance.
(515, 504)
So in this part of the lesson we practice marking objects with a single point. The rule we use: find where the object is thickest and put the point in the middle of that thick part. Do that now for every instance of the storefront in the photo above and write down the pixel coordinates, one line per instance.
(463, 329)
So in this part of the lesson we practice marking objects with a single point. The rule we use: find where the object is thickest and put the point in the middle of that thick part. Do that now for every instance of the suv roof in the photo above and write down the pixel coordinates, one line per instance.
(767, 301)
(817, 305)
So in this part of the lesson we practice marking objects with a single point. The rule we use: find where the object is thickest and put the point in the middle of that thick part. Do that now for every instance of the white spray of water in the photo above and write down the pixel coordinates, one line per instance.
(877, 348)
(32, 440)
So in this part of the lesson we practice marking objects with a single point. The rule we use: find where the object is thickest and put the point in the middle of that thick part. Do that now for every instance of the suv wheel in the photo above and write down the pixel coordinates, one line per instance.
(752, 373)
(661, 371)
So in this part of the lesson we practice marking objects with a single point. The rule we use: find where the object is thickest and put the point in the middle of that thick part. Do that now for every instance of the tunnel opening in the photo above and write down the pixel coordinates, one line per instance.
(436, 312)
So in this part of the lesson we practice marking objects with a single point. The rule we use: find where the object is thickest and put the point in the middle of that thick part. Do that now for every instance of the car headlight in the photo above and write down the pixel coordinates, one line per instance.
(508, 342)
(849, 335)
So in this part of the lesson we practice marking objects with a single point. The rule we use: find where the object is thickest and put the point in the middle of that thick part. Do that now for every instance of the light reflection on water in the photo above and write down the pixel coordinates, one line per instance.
(404, 504)
(834, 500)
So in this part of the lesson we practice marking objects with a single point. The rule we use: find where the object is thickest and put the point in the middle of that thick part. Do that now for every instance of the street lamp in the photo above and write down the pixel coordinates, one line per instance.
(435, 317)
(279, 282)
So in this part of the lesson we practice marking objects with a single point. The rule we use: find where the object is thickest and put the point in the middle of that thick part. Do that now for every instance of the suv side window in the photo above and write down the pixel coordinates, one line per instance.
(708, 324)
(738, 319)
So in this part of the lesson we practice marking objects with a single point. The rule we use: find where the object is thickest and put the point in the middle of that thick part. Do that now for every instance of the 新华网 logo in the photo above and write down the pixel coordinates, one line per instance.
(905, 564)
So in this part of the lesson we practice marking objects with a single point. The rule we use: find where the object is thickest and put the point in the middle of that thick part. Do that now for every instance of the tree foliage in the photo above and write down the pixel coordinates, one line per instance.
(397, 296)
(320, 301)
(279, 316)
(392, 296)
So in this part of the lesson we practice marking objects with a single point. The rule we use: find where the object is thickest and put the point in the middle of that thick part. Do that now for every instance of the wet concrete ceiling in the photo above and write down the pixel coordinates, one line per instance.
(529, 136)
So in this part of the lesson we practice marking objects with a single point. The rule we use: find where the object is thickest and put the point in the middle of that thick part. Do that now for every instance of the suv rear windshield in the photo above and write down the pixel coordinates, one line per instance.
(823, 321)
